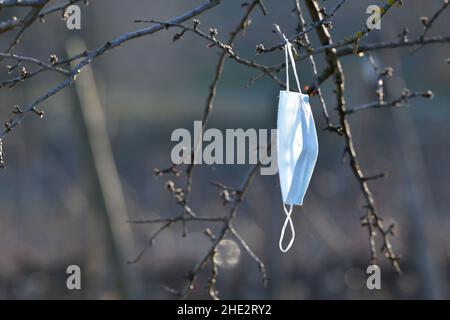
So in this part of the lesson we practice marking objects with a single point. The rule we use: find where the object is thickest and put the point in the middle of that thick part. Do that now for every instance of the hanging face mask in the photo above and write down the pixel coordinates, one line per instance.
(297, 146)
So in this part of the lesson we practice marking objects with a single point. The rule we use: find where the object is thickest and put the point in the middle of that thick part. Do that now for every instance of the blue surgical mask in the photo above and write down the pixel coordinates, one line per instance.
(297, 147)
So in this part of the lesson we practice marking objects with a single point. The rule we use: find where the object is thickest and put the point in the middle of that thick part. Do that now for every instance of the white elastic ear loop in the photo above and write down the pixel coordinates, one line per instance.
(288, 51)
(286, 48)
(294, 67)
(283, 230)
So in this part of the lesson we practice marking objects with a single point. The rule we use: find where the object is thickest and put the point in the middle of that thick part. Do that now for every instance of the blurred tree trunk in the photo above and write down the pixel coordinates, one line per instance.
(107, 194)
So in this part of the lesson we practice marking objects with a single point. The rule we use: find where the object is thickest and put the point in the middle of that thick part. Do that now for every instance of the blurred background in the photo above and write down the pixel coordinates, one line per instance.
(52, 215)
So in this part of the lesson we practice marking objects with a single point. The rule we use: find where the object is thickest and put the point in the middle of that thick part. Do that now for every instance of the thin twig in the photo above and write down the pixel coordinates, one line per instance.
(316, 24)
(34, 61)
(178, 218)
(397, 103)
(246, 247)
(429, 23)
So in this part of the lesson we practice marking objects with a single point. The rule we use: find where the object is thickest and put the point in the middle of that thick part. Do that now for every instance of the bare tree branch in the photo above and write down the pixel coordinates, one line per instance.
(314, 25)
(316, 87)
(90, 55)
(225, 229)
(372, 219)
